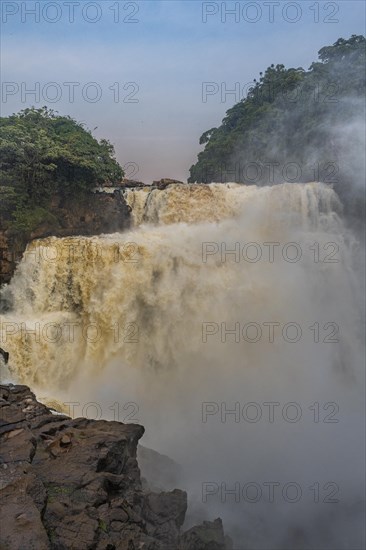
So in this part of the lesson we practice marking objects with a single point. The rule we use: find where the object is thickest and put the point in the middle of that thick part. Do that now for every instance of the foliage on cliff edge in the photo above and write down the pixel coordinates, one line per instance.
(43, 154)
(294, 125)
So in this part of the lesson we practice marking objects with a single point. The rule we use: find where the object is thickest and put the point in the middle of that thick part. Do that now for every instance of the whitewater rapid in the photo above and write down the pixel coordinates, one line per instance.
(142, 295)
(219, 294)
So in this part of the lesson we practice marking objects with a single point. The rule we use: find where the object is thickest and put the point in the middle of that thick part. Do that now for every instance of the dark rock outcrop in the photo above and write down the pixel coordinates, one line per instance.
(103, 211)
(132, 184)
(5, 355)
(74, 484)
(165, 182)
(11, 251)
(208, 535)
(97, 213)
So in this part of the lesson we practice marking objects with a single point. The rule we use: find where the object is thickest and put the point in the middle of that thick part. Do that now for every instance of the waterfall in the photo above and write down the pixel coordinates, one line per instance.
(221, 295)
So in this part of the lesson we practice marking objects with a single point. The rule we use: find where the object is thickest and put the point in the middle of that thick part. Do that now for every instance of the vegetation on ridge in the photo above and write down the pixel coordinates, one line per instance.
(43, 154)
(290, 127)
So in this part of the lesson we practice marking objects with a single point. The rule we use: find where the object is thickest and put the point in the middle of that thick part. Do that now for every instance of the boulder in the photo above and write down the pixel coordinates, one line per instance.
(75, 484)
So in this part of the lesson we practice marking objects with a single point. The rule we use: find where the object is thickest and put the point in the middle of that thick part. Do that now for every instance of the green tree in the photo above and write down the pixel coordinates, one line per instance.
(293, 116)
(43, 153)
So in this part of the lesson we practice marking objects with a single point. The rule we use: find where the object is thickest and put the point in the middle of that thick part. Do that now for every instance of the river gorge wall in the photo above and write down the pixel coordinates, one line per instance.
(99, 212)
(105, 210)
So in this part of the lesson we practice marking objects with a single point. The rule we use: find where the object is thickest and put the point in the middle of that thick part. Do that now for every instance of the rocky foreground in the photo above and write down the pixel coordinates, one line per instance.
(75, 484)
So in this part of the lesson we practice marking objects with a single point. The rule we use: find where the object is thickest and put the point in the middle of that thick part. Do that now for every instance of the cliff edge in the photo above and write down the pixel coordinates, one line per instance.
(75, 484)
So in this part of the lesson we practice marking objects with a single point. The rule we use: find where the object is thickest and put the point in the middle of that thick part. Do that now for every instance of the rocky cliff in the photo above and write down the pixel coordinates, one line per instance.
(75, 484)
(103, 211)
(97, 213)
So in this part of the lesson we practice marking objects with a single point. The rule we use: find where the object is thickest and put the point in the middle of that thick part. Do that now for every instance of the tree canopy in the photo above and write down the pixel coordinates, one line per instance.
(291, 121)
(41, 154)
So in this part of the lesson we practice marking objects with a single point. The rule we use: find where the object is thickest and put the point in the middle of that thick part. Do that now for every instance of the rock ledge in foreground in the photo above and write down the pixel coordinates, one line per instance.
(74, 484)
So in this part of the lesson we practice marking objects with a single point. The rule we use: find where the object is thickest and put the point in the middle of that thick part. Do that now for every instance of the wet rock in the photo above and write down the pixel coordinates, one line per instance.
(75, 484)
(165, 182)
(5, 355)
(132, 184)
(97, 213)
(65, 441)
(208, 536)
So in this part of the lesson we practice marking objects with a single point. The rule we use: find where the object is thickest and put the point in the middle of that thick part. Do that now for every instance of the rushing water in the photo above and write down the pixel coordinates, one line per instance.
(222, 298)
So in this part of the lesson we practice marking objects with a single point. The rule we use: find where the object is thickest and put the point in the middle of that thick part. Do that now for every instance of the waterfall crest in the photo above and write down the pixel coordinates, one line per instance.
(220, 296)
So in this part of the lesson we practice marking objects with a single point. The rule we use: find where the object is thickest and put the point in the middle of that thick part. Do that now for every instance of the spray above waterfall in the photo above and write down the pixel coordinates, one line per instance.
(142, 295)
(230, 314)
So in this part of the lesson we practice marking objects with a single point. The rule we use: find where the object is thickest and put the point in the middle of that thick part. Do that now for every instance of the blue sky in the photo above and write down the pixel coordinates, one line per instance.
(158, 64)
